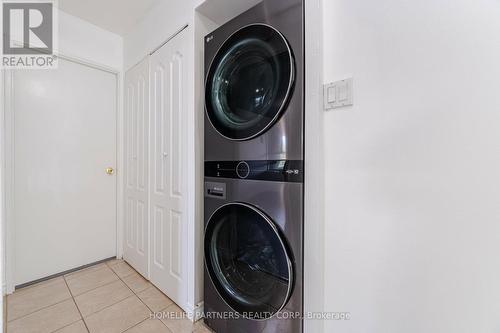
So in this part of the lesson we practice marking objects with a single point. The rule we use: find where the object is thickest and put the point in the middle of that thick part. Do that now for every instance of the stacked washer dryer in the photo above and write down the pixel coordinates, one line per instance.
(254, 150)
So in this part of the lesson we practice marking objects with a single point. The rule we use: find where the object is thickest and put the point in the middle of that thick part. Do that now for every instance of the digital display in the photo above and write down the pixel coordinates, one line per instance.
(275, 170)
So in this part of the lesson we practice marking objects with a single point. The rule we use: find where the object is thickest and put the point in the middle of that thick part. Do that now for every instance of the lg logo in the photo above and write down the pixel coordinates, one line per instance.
(27, 27)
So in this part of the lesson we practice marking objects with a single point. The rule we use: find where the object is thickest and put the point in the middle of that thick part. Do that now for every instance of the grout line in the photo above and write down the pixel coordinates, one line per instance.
(45, 307)
(73, 299)
(42, 308)
(137, 295)
(152, 286)
(108, 306)
(128, 329)
(104, 285)
(86, 271)
(38, 284)
(120, 277)
(151, 312)
(136, 272)
(142, 321)
(117, 261)
(133, 292)
(168, 328)
(133, 295)
(54, 276)
(60, 328)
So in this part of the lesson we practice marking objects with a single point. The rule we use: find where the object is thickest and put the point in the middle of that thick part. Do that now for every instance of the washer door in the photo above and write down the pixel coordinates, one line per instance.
(248, 261)
(249, 82)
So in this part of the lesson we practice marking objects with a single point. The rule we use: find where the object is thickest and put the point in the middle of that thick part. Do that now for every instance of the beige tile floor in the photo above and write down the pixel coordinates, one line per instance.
(106, 298)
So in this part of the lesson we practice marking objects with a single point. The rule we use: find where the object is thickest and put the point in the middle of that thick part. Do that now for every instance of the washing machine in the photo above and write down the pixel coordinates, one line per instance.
(254, 86)
(253, 251)
(254, 152)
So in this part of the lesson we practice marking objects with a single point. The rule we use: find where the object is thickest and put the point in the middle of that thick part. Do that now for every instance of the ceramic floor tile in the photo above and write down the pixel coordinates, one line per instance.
(78, 327)
(176, 320)
(46, 320)
(33, 298)
(122, 269)
(150, 326)
(113, 262)
(200, 327)
(154, 299)
(136, 282)
(102, 297)
(88, 280)
(118, 317)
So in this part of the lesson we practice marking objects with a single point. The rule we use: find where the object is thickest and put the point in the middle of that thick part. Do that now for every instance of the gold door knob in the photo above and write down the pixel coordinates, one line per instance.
(110, 171)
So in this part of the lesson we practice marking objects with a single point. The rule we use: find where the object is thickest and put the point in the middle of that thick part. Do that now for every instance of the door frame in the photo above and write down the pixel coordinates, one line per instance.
(8, 226)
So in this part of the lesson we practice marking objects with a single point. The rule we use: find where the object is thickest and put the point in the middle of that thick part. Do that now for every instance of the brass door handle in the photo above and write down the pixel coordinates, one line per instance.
(110, 171)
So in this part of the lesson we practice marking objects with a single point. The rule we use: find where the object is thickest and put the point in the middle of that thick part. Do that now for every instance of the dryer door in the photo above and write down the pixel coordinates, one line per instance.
(248, 261)
(249, 82)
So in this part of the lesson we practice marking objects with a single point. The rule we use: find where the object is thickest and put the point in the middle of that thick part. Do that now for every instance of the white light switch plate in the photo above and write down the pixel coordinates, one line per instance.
(338, 94)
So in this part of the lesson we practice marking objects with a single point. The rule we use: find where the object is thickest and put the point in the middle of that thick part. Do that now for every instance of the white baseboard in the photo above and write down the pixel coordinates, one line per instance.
(195, 313)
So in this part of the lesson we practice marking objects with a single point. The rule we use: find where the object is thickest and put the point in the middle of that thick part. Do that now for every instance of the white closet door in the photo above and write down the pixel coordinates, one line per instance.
(64, 202)
(168, 233)
(136, 246)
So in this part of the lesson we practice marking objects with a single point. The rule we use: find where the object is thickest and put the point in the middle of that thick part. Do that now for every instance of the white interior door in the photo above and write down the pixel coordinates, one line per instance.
(136, 244)
(64, 138)
(168, 161)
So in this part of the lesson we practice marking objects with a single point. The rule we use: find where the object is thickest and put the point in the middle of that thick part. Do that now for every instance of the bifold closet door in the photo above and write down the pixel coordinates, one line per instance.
(136, 109)
(168, 161)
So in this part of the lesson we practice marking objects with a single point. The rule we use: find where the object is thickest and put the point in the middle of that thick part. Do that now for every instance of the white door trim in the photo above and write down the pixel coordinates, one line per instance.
(314, 202)
(9, 144)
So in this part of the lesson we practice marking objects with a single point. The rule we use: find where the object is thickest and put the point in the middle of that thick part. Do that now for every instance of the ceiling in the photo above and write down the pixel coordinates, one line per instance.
(117, 16)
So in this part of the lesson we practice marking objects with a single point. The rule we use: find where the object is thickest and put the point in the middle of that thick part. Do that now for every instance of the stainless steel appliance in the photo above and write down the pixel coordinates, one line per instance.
(254, 150)
(254, 85)
(253, 253)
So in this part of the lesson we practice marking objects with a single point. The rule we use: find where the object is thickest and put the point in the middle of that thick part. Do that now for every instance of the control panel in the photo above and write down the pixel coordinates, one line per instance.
(215, 190)
(276, 170)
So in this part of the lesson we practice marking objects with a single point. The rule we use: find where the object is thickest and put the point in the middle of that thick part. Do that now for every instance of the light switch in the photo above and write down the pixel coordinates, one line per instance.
(338, 94)
(342, 88)
(332, 94)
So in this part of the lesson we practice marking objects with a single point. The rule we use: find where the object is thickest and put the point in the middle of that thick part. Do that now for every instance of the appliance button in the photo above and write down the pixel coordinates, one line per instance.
(243, 169)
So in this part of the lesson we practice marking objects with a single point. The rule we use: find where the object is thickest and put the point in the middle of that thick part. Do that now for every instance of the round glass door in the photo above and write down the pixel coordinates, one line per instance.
(249, 82)
(248, 261)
